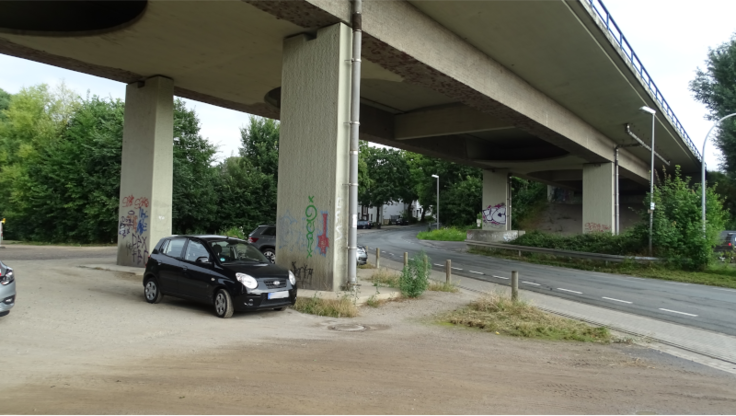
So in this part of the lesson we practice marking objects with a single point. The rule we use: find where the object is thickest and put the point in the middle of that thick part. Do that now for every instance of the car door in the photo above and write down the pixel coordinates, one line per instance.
(170, 265)
(197, 278)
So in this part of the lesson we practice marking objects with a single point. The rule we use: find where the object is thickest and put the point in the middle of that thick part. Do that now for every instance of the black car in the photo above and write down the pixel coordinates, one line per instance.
(228, 273)
(365, 224)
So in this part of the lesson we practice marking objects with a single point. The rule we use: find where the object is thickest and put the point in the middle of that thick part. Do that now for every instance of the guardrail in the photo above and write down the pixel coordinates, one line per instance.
(644, 76)
(564, 253)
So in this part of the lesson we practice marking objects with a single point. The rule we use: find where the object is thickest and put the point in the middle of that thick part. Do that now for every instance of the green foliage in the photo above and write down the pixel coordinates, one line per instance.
(388, 177)
(415, 276)
(716, 88)
(444, 234)
(627, 244)
(726, 188)
(677, 226)
(528, 199)
(4, 103)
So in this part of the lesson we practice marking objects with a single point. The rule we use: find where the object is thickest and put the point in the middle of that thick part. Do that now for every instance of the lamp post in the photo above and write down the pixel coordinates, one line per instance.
(437, 217)
(651, 178)
(702, 167)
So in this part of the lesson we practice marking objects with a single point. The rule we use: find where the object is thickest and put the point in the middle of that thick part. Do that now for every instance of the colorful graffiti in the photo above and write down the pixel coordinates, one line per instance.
(133, 225)
(594, 227)
(338, 224)
(495, 215)
(323, 240)
(311, 213)
(302, 274)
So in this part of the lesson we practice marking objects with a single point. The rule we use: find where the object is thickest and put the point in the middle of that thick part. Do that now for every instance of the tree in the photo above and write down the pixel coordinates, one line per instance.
(390, 177)
(716, 88)
(4, 103)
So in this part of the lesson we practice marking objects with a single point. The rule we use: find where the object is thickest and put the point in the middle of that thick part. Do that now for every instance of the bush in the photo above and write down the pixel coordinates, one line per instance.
(234, 232)
(627, 244)
(414, 278)
(444, 234)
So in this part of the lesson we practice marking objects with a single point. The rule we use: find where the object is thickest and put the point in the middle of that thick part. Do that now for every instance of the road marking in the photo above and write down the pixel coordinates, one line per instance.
(437, 264)
(568, 290)
(727, 290)
(456, 268)
(500, 277)
(473, 271)
(681, 313)
(531, 283)
(617, 300)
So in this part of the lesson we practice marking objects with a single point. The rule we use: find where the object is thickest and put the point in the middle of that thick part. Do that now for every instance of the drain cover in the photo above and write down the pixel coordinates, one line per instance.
(349, 327)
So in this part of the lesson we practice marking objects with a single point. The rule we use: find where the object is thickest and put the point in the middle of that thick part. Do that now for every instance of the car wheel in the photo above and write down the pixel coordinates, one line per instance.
(270, 254)
(151, 291)
(223, 304)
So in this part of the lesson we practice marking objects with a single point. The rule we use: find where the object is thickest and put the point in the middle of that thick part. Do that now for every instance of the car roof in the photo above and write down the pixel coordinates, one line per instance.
(208, 237)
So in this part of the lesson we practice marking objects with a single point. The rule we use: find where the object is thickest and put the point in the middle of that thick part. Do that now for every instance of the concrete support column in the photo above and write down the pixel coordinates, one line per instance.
(598, 197)
(312, 223)
(146, 169)
(496, 210)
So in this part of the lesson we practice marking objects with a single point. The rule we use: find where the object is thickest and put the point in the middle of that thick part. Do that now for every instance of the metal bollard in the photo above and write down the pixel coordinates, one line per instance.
(406, 259)
(514, 285)
(378, 257)
(448, 271)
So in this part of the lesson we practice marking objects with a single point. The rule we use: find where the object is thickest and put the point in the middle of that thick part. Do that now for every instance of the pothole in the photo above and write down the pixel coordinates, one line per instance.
(349, 327)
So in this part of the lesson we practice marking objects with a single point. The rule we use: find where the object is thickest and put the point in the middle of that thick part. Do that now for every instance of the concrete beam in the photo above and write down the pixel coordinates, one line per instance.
(146, 169)
(444, 120)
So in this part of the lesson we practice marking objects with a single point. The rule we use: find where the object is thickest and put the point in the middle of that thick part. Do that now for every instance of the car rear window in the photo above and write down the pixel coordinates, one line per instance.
(269, 231)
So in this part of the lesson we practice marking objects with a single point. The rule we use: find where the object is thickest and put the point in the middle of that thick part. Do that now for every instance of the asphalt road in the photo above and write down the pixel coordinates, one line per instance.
(700, 306)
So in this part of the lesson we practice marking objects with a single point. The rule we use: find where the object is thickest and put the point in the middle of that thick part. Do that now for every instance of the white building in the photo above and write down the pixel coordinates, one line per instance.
(391, 210)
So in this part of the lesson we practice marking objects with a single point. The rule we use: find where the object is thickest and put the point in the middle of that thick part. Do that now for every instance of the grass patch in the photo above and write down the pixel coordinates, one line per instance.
(442, 287)
(385, 277)
(45, 243)
(367, 266)
(495, 313)
(335, 308)
(717, 275)
(444, 234)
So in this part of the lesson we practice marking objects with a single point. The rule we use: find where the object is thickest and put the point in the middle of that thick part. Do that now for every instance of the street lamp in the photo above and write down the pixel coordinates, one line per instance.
(651, 178)
(702, 166)
(437, 217)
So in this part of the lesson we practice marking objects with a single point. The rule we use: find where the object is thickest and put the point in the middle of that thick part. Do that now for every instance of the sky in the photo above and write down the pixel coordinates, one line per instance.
(671, 38)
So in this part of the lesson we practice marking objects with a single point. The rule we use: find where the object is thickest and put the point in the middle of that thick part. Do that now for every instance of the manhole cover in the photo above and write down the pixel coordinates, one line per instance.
(349, 327)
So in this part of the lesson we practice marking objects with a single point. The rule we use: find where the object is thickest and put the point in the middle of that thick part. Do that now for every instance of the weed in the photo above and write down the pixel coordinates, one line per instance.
(367, 266)
(373, 302)
(385, 277)
(343, 307)
(444, 234)
(414, 278)
(442, 287)
(493, 312)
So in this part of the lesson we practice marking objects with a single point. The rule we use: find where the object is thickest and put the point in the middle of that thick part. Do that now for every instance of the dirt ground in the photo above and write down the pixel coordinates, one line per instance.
(85, 341)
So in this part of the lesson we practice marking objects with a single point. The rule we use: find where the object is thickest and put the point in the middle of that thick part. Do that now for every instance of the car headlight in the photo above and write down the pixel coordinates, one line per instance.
(7, 279)
(292, 278)
(247, 280)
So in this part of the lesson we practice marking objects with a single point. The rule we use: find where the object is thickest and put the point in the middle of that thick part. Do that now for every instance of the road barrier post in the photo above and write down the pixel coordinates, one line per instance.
(378, 257)
(514, 285)
(406, 259)
(448, 271)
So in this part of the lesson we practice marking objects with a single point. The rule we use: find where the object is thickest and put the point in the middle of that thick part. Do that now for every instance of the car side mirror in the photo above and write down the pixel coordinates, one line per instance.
(203, 260)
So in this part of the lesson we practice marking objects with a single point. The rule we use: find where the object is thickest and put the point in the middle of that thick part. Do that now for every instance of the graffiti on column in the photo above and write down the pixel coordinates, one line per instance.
(495, 214)
(324, 239)
(302, 274)
(311, 213)
(132, 226)
(594, 227)
(338, 225)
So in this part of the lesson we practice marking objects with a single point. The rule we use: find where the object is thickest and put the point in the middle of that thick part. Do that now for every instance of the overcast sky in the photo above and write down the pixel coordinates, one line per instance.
(671, 38)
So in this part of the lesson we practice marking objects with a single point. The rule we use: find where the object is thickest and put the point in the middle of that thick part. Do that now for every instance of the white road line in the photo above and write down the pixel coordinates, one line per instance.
(456, 268)
(617, 300)
(681, 313)
(473, 271)
(500, 277)
(727, 290)
(568, 290)
(437, 264)
(531, 283)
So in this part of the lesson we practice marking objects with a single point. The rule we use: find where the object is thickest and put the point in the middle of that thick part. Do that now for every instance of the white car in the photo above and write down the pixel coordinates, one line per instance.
(7, 289)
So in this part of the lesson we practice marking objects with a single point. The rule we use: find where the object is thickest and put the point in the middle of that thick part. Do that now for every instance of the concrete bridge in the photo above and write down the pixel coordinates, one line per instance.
(538, 89)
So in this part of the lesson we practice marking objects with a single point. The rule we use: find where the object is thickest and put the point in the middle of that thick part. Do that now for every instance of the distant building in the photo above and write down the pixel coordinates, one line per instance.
(391, 210)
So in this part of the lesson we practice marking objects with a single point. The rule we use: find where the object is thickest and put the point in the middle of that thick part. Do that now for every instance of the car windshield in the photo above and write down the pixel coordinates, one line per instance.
(232, 251)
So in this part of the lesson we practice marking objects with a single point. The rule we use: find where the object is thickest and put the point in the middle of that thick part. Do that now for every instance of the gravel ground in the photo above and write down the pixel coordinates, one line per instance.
(85, 341)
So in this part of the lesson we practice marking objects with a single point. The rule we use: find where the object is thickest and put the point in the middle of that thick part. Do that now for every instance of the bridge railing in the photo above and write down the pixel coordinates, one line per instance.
(644, 76)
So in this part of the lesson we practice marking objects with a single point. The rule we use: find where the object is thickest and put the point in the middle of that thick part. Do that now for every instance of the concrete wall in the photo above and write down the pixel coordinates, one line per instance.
(312, 215)
(598, 197)
(146, 169)
(496, 212)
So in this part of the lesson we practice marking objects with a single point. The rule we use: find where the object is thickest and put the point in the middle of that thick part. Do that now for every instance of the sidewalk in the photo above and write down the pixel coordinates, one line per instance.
(705, 347)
